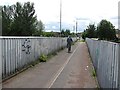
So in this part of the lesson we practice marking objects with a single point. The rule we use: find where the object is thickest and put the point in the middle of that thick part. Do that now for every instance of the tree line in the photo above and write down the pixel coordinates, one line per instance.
(20, 20)
(66, 33)
(103, 31)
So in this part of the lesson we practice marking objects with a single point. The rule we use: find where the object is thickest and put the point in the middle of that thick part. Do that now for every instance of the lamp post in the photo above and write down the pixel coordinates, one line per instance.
(60, 16)
(76, 26)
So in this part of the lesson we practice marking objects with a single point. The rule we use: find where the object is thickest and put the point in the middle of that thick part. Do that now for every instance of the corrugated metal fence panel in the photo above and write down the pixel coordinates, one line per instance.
(106, 60)
(119, 66)
(18, 52)
(0, 62)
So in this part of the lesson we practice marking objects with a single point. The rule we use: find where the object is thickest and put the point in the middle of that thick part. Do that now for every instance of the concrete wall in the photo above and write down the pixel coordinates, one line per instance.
(19, 52)
(106, 59)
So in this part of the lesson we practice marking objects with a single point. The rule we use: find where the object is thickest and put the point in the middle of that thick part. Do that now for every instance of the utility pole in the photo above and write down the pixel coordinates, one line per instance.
(76, 27)
(60, 16)
(73, 28)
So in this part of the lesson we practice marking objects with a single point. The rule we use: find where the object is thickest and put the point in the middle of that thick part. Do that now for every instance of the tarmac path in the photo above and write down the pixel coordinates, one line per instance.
(64, 70)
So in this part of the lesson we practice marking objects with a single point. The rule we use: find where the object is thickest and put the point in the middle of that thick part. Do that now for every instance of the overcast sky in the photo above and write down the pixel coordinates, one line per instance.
(85, 11)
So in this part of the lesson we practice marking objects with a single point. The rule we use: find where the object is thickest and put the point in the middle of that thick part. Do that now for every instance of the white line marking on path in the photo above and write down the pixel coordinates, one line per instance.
(60, 70)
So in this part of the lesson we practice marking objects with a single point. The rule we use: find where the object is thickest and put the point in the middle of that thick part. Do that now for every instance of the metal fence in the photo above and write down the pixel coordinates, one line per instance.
(106, 59)
(19, 52)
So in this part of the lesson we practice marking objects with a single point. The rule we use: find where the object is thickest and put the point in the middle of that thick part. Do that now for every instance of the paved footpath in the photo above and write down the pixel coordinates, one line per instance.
(65, 70)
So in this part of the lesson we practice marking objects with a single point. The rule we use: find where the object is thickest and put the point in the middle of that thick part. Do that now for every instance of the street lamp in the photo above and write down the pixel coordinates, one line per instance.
(76, 25)
(60, 16)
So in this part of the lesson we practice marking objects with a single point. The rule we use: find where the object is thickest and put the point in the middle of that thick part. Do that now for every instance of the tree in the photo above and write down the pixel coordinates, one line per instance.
(19, 20)
(84, 35)
(62, 33)
(6, 20)
(106, 30)
(48, 34)
(40, 28)
(73, 34)
(24, 21)
(90, 32)
(67, 32)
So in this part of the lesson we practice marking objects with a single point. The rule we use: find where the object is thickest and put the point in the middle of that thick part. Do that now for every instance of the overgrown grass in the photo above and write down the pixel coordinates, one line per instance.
(94, 73)
(43, 58)
(95, 76)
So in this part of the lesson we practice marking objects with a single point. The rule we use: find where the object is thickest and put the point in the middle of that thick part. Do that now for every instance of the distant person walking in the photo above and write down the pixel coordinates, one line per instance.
(69, 43)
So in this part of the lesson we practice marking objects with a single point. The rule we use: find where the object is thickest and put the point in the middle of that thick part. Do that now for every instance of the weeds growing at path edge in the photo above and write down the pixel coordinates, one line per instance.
(43, 58)
(93, 73)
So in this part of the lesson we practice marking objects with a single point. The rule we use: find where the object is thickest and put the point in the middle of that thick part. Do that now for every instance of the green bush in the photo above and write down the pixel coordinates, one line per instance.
(106, 30)
(43, 58)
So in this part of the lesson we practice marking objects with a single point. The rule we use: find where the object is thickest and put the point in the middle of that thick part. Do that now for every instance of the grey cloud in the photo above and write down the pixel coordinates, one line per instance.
(49, 26)
(115, 17)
